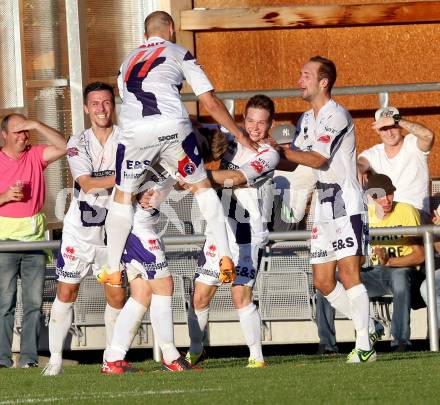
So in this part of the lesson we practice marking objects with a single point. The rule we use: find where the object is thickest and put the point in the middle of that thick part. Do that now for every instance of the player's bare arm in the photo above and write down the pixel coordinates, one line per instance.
(218, 111)
(286, 165)
(310, 158)
(230, 177)
(91, 184)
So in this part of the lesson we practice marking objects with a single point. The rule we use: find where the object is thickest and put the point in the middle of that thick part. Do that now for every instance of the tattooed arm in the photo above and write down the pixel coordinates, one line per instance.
(425, 137)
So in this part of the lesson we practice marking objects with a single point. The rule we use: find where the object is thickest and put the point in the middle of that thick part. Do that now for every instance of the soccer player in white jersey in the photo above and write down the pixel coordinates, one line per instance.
(156, 126)
(247, 237)
(91, 156)
(339, 232)
(151, 285)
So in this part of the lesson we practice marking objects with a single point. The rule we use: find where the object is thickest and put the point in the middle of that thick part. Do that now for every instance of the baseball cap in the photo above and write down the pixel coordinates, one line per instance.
(284, 133)
(385, 112)
(379, 185)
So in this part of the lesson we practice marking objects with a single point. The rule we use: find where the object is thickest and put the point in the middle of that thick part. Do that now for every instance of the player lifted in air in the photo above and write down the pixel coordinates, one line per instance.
(156, 127)
(91, 156)
(247, 233)
(151, 285)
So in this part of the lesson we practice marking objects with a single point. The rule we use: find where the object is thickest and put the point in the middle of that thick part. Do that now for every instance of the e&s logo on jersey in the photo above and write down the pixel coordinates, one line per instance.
(136, 164)
(314, 232)
(69, 253)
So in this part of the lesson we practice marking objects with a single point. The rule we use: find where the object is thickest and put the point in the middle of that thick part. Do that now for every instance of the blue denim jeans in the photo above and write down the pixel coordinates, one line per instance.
(30, 267)
(325, 321)
(378, 281)
(381, 280)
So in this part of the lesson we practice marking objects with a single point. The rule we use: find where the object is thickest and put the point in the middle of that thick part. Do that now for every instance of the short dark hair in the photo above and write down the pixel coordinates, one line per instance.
(5, 120)
(156, 21)
(379, 185)
(98, 86)
(327, 70)
(263, 102)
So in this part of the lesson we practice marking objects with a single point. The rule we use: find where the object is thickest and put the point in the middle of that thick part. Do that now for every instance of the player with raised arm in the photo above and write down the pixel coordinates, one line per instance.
(156, 127)
(339, 231)
(91, 156)
(247, 235)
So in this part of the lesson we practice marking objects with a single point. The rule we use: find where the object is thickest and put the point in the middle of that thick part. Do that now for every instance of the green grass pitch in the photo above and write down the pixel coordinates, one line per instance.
(407, 378)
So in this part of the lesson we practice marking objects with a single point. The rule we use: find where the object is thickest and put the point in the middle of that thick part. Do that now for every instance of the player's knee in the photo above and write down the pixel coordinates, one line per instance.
(200, 301)
(67, 292)
(117, 300)
(349, 278)
(162, 286)
(324, 286)
(241, 297)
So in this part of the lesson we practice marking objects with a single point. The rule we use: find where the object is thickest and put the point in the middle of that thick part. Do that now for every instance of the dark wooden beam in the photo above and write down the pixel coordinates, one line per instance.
(336, 15)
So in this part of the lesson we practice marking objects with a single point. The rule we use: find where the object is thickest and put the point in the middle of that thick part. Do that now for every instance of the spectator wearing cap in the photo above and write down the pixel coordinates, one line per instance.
(395, 263)
(403, 158)
(293, 183)
(395, 259)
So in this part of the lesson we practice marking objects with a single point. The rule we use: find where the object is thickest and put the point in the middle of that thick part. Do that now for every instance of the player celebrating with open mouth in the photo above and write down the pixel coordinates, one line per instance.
(247, 235)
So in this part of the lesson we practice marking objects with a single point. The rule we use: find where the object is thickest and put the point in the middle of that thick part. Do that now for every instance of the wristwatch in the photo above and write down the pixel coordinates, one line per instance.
(396, 118)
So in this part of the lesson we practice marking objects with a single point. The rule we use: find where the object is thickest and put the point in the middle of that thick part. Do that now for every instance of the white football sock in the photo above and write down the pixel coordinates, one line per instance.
(197, 321)
(251, 325)
(360, 310)
(117, 226)
(161, 316)
(110, 316)
(212, 211)
(126, 327)
(59, 324)
(339, 300)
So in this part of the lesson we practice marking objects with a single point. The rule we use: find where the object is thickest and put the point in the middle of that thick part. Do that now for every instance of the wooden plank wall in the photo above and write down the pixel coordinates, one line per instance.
(364, 55)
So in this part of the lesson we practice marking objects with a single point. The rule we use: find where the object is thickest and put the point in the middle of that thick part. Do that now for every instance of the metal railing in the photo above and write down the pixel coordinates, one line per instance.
(229, 97)
(381, 90)
(426, 231)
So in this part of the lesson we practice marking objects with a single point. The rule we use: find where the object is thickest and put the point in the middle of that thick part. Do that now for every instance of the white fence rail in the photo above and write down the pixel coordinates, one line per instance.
(426, 231)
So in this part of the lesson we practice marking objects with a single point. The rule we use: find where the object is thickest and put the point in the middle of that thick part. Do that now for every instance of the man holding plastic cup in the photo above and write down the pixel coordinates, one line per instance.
(22, 191)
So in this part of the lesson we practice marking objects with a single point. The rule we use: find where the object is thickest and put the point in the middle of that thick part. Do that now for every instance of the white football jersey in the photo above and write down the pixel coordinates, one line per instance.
(87, 212)
(150, 80)
(257, 200)
(332, 135)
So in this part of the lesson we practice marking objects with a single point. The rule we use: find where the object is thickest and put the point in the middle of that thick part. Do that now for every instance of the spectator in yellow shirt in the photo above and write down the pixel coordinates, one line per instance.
(395, 259)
